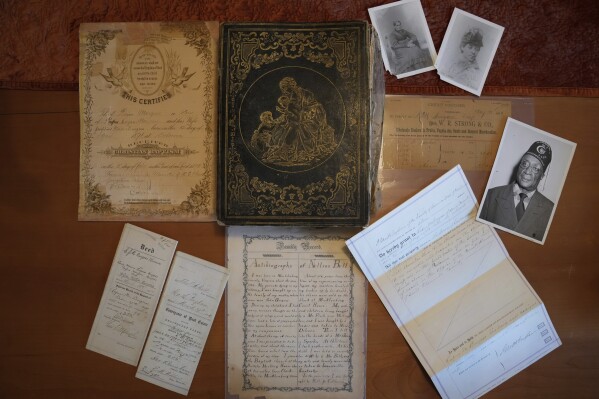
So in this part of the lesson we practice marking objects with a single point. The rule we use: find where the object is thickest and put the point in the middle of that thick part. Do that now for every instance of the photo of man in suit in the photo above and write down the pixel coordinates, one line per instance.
(519, 206)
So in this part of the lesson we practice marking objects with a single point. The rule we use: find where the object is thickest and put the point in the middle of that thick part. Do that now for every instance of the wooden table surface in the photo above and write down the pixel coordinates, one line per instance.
(54, 268)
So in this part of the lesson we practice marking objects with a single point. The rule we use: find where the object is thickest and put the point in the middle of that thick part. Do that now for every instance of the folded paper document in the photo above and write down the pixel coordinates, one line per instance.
(449, 284)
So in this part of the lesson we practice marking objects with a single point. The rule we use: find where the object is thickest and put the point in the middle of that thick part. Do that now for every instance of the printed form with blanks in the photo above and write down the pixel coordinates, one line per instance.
(449, 284)
(182, 323)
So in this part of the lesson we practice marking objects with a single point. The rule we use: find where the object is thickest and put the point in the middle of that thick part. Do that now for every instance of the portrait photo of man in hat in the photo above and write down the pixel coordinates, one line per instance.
(526, 181)
(519, 206)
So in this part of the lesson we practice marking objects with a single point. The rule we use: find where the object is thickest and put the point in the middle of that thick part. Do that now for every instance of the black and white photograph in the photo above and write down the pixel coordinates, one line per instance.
(467, 51)
(526, 181)
(406, 41)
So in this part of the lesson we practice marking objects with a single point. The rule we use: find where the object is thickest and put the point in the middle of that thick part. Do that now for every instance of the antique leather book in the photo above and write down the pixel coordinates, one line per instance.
(295, 123)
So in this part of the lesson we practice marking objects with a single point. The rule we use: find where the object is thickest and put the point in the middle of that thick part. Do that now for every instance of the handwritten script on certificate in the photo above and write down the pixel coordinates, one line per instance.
(148, 121)
(295, 315)
(182, 323)
(438, 133)
(134, 284)
(448, 283)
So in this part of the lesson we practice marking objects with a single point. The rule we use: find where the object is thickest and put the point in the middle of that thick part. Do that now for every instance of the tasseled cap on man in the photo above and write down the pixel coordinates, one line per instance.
(541, 151)
(473, 37)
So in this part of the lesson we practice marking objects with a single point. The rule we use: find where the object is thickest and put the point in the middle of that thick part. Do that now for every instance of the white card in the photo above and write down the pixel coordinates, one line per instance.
(182, 323)
(134, 284)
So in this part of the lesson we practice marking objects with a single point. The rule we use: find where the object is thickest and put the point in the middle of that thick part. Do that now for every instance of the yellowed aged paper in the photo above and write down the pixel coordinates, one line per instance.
(148, 121)
(182, 323)
(131, 294)
(439, 133)
(296, 315)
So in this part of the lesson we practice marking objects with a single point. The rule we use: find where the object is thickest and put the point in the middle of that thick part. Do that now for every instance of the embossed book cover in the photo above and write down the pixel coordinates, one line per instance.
(148, 121)
(295, 124)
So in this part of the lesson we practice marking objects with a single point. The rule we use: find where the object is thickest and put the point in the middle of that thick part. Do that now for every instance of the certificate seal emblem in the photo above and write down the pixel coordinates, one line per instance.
(147, 70)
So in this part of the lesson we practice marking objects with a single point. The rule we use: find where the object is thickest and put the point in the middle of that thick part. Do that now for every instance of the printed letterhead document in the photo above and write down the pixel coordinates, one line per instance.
(182, 323)
(438, 132)
(134, 284)
(450, 286)
(148, 121)
(296, 315)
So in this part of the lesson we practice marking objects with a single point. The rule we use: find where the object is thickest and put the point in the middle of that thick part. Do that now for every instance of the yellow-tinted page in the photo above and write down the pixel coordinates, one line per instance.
(148, 121)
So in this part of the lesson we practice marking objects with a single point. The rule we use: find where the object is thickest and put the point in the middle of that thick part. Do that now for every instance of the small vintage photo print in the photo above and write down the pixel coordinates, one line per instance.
(467, 51)
(526, 181)
(406, 42)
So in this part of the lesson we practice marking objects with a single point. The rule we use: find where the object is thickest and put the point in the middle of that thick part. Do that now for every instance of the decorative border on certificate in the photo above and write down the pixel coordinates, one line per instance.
(153, 74)
(247, 385)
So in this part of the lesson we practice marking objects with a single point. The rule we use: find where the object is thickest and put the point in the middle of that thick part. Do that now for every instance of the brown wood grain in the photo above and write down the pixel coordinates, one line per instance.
(53, 269)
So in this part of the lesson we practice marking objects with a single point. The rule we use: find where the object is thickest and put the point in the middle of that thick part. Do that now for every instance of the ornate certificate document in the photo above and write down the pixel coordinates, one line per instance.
(439, 133)
(148, 121)
(134, 284)
(182, 323)
(452, 289)
(296, 308)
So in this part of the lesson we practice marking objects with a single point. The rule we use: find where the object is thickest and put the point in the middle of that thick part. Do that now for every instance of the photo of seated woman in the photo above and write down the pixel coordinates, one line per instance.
(405, 39)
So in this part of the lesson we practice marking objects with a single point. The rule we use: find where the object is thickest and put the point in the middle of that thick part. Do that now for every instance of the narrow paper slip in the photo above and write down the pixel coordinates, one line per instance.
(134, 284)
(183, 320)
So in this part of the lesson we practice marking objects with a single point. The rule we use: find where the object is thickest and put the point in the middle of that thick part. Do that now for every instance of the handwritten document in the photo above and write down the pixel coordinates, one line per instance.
(296, 307)
(456, 295)
(134, 284)
(182, 323)
(148, 121)
(438, 133)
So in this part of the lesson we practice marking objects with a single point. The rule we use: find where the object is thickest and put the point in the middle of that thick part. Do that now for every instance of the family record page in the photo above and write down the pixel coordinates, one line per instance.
(296, 315)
